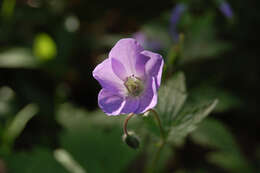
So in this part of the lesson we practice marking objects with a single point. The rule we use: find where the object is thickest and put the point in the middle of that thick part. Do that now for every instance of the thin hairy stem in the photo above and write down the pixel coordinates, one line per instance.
(155, 160)
(129, 116)
(157, 118)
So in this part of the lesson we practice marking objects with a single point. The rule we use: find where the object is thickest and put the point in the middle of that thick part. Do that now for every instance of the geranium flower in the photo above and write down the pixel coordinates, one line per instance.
(130, 78)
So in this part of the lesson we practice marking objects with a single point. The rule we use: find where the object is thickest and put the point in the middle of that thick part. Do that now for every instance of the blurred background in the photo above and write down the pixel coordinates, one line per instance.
(49, 118)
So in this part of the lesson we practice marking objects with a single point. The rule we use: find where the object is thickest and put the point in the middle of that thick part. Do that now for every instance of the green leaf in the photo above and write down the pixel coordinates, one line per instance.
(188, 120)
(171, 99)
(16, 126)
(39, 160)
(94, 140)
(65, 159)
(17, 58)
(226, 99)
(98, 149)
(177, 121)
(213, 133)
(6, 97)
(232, 162)
(71, 117)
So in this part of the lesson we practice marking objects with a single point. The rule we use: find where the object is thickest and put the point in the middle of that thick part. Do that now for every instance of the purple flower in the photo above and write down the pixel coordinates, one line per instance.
(130, 78)
(175, 17)
(226, 9)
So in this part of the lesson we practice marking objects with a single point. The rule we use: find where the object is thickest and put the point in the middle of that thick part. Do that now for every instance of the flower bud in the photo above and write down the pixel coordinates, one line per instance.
(131, 140)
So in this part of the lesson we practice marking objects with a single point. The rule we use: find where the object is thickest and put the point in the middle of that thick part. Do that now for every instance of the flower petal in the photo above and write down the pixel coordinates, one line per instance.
(118, 69)
(149, 98)
(126, 51)
(110, 103)
(104, 74)
(140, 65)
(154, 66)
(131, 104)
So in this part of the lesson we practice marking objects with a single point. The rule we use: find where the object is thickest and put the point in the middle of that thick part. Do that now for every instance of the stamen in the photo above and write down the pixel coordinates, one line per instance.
(134, 85)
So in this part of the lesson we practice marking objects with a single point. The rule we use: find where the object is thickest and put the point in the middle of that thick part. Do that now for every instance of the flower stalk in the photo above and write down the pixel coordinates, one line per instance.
(129, 116)
(162, 142)
(157, 118)
(128, 138)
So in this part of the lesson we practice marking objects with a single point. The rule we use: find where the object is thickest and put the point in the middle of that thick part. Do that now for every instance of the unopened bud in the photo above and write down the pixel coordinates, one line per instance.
(131, 140)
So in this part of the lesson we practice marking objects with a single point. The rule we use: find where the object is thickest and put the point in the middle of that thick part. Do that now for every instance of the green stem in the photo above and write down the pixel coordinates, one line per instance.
(155, 160)
(161, 144)
(162, 141)
(157, 118)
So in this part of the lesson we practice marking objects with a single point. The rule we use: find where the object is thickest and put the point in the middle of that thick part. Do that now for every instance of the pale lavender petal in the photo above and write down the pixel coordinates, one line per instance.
(109, 102)
(140, 65)
(149, 98)
(154, 66)
(118, 69)
(130, 106)
(104, 74)
(126, 51)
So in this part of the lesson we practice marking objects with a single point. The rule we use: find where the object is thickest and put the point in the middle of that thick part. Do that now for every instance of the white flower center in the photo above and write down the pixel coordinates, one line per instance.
(134, 85)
